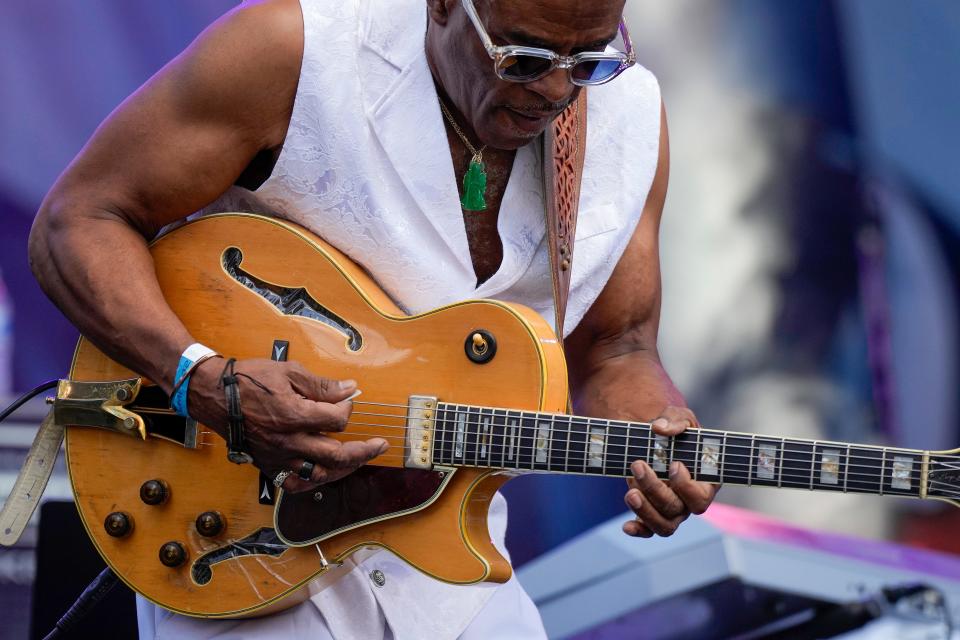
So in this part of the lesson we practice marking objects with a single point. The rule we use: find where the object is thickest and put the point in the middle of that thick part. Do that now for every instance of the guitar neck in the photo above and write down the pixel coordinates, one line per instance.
(529, 441)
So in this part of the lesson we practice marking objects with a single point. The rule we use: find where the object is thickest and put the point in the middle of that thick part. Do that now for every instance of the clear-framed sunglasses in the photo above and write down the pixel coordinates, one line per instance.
(515, 63)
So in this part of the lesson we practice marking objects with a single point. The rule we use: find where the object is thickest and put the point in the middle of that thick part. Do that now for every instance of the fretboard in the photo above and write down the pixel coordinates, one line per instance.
(529, 441)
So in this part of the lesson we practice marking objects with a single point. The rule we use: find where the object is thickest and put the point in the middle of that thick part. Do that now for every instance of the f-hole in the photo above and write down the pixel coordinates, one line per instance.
(291, 302)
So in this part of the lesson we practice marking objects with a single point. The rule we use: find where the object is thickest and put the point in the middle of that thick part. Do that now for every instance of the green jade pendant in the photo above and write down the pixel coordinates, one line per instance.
(474, 186)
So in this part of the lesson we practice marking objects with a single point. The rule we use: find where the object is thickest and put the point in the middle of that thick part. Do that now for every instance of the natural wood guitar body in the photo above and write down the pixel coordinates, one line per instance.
(400, 356)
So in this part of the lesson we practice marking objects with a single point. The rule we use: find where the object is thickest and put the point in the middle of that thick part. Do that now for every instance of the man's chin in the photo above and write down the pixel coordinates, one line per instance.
(512, 130)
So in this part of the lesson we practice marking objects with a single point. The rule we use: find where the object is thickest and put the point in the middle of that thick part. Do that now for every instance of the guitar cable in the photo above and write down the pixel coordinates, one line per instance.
(103, 583)
(91, 596)
(29, 395)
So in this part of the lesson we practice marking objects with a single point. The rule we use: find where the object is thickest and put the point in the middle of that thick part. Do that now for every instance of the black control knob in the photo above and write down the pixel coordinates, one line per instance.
(210, 523)
(118, 524)
(154, 492)
(173, 554)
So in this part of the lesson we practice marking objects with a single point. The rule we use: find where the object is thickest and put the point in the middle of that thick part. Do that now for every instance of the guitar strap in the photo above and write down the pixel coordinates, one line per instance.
(564, 146)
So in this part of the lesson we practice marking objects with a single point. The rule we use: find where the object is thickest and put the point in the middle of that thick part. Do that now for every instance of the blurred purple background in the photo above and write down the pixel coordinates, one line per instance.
(810, 244)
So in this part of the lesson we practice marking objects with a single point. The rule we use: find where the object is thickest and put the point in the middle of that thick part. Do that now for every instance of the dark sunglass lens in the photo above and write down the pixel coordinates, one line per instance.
(595, 70)
(521, 67)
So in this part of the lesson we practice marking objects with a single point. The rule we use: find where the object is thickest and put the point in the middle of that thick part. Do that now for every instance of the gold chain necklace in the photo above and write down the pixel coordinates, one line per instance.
(475, 179)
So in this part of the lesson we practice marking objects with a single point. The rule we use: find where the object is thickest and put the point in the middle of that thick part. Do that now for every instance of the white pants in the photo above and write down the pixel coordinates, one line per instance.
(508, 614)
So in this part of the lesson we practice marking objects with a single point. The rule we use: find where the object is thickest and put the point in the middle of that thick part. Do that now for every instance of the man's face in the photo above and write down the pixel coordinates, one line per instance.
(507, 115)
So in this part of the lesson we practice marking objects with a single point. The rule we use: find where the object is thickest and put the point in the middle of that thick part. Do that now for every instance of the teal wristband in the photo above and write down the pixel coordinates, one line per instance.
(191, 358)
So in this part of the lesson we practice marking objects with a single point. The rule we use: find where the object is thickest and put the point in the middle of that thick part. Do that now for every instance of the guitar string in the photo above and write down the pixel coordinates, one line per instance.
(802, 465)
(730, 448)
(624, 423)
(644, 426)
(801, 481)
(629, 425)
(534, 448)
(783, 475)
(785, 471)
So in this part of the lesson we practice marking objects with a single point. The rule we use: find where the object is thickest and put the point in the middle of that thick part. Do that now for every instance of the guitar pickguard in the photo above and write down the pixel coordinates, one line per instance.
(366, 495)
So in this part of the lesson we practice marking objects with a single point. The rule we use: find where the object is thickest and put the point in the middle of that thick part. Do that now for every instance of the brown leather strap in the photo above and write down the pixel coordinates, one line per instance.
(565, 144)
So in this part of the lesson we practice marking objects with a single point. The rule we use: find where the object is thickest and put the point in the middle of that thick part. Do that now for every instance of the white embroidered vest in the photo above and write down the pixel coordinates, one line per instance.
(366, 165)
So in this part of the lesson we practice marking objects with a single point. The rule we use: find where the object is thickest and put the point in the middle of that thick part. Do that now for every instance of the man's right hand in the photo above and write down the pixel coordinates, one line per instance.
(288, 425)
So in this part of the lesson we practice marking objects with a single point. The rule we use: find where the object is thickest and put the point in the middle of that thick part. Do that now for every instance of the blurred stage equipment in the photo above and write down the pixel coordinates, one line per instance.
(735, 574)
(18, 563)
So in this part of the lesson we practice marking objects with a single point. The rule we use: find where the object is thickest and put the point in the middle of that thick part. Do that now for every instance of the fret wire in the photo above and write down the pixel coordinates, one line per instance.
(883, 470)
(551, 435)
(673, 442)
(846, 470)
(813, 463)
(503, 448)
(606, 442)
(438, 434)
(491, 437)
(532, 436)
(586, 446)
(723, 456)
(753, 447)
(476, 445)
(485, 444)
(697, 461)
(481, 425)
(506, 436)
(652, 438)
(626, 452)
(783, 443)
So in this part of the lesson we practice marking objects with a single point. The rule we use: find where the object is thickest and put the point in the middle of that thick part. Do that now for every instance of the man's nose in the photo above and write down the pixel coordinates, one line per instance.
(554, 87)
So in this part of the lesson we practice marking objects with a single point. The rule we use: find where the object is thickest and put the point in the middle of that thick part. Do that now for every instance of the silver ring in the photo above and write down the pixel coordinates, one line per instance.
(280, 477)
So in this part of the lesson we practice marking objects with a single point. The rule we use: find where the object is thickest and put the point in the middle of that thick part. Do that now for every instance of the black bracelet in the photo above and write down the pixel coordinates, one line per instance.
(236, 441)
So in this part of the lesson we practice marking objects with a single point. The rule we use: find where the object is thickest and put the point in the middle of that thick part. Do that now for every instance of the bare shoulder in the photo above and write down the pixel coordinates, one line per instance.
(250, 57)
(185, 136)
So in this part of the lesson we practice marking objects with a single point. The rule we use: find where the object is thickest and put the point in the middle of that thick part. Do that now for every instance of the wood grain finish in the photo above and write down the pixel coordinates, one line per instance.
(401, 356)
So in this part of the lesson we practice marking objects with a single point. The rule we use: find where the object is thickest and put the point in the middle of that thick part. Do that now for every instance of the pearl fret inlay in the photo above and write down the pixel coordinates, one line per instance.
(767, 462)
(598, 441)
(830, 466)
(710, 457)
(902, 470)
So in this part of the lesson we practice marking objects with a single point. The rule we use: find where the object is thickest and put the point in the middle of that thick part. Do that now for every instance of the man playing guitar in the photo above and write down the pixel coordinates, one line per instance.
(404, 133)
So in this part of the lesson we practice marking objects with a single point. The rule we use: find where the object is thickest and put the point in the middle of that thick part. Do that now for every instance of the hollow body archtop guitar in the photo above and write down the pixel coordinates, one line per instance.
(465, 395)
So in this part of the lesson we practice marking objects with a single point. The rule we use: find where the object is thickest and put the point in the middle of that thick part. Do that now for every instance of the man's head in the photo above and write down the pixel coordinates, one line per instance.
(498, 113)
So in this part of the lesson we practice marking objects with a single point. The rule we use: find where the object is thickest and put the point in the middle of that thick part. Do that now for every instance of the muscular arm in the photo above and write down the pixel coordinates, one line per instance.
(171, 148)
(615, 369)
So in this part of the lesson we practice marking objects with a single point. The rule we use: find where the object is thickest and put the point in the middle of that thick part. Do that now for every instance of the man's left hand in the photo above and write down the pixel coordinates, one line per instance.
(661, 506)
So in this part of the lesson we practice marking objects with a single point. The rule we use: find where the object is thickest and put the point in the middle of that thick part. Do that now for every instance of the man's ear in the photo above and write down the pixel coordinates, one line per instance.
(439, 10)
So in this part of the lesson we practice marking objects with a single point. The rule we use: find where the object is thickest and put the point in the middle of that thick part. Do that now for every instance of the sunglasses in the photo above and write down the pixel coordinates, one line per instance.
(525, 64)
